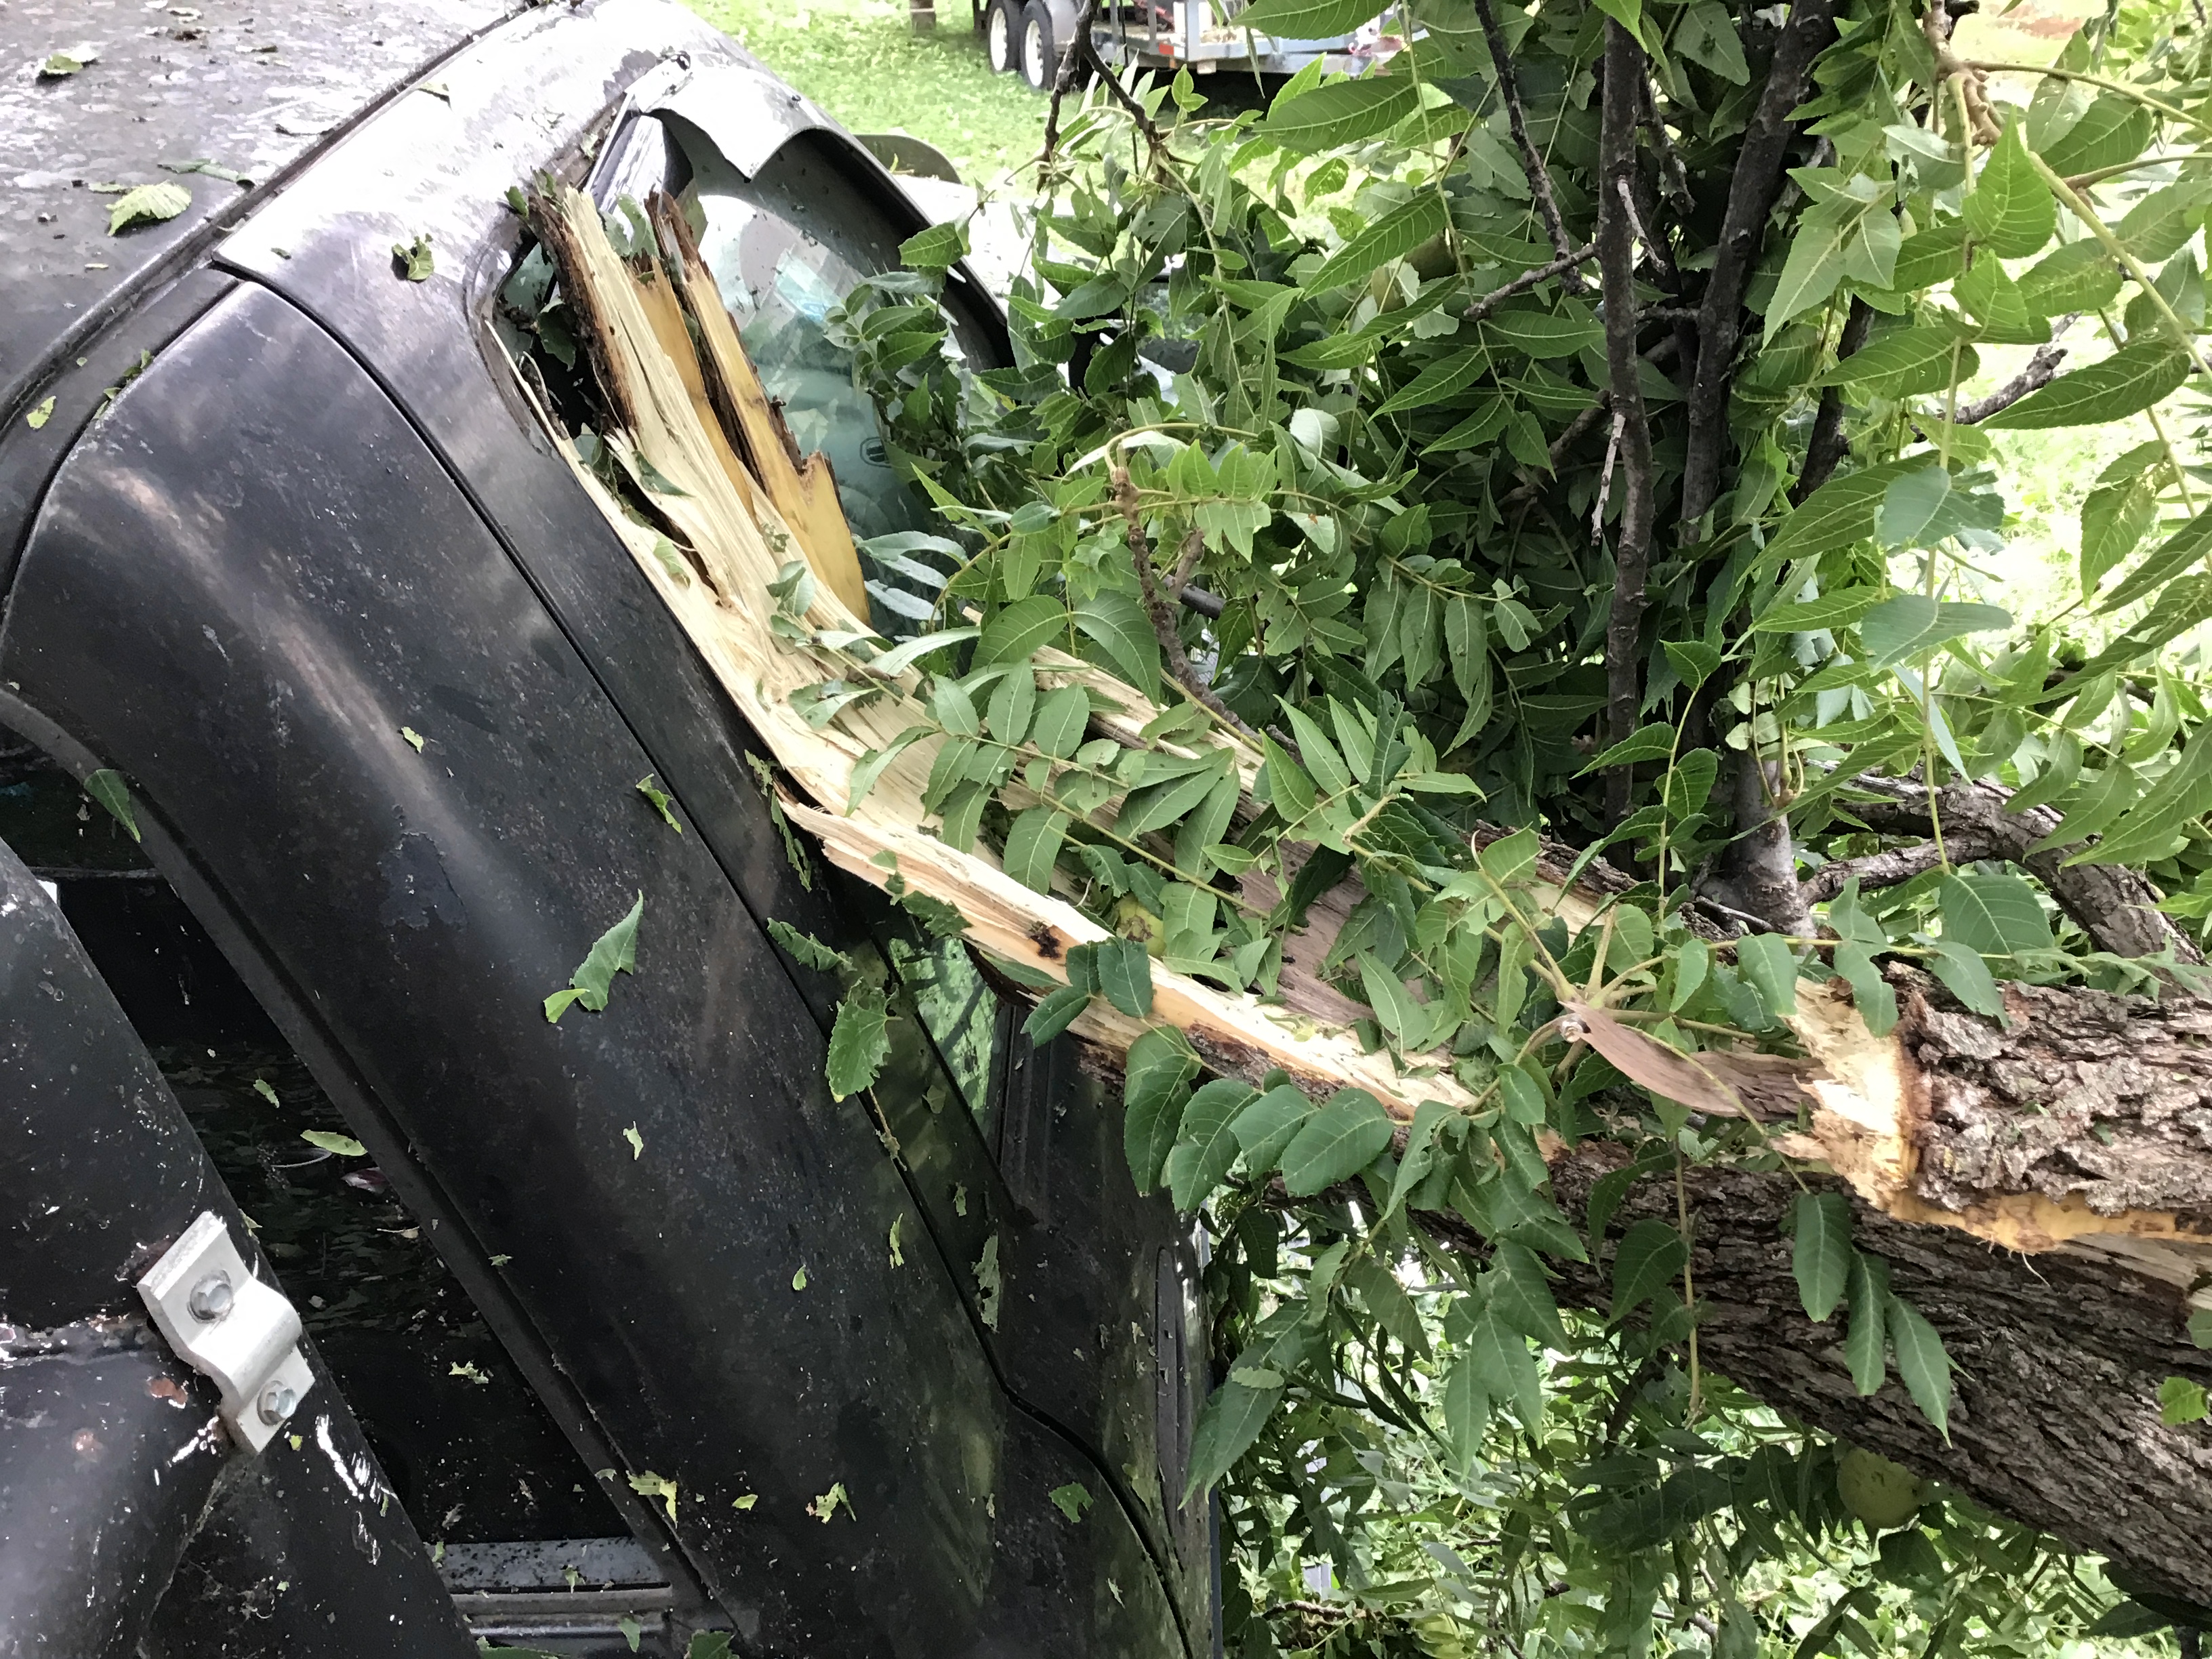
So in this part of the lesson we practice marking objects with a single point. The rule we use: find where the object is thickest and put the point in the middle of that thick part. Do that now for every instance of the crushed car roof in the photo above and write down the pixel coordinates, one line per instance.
(242, 89)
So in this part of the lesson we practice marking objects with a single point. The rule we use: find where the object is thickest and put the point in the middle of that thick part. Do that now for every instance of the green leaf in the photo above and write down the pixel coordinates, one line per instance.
(2115, 518)
(1303, 20)
(1829, 611)
(806, 950)
(1061, 719)
(1821, 1253)
(1159, 1069)
(39, 415)
(1912, 624)
(1922, 1364)
(1968, 977)
(1344, 113)
(1503, 1367)
(614, 952)
(1649, 1256)
(1905, 362)
(1033, 842)
(1541, 335)
(1269, 1124)
(875, 761)
(1866, 1344)
(1336, 1143)
(1870, 992)
(1070, 1500)
(107, 787)
(2179, 552)
(938, 248)
(1995, 914)
(1707, 35)
(1231, 1421)
(1466, 1410)
(1837, 515)
(2079, 277)
(148, 204)
(1647, 743)
(2180, 1401)
(1119, 627)
(1522, 1293)
(1439, 380)
(2114, 129)
(1768, 964)
(416, 262)
(903, 655)
(1910, 504)
(859, 1041)
(660, 800)
(2011, 211)
(1125, 974)
(1017, 631)
(1205, 1144)
(2139, 375)
(344, 1145)
(1055, 1014)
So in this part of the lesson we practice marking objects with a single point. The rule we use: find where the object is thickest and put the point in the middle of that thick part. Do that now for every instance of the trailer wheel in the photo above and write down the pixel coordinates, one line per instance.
(1002, 25)
(1040, 52)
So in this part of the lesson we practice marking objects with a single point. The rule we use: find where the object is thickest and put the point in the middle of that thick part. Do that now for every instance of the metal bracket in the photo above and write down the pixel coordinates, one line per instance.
(227, 1324)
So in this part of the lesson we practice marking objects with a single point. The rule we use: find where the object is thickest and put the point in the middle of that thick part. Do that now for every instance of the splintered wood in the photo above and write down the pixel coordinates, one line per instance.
(730, 501)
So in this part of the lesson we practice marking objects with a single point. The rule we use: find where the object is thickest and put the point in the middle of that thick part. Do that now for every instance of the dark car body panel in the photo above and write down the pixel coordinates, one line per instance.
(253, 89)
(322, 514)
(110, 1451)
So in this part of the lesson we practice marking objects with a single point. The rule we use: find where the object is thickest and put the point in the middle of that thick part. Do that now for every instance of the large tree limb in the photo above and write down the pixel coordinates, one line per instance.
(1617, 235)
(2054, 1421)
(1752, 192)
(2116, 907)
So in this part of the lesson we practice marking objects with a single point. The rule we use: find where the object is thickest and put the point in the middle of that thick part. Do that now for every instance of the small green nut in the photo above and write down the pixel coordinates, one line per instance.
(1132, 921)
(1881, 1494)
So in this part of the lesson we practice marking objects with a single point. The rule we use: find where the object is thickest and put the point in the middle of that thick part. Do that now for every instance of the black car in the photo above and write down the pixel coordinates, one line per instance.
(352, 1306)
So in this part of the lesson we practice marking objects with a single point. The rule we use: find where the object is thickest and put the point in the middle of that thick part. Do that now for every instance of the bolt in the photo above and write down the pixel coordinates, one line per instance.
(210, 1298)
(278, 1403)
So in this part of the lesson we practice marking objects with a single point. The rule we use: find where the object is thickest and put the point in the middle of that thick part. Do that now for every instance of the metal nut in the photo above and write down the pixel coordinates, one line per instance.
(210, 1298)
(278, 1403)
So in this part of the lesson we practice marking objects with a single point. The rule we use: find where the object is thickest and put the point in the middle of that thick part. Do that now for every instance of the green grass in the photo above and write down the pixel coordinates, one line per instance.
(861, 61)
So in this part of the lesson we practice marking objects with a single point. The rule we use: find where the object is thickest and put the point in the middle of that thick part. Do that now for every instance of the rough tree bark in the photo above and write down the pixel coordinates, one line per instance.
(2055, 1419)
(2117, 906)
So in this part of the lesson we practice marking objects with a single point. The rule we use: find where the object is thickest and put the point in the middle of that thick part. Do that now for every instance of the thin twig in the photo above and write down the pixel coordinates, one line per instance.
(1163, 619)
(1517, 117)
(1672, 174)
(2042, 369)
(1063, 83)
(1527, 280)
(1618, 231)
(1579, 428)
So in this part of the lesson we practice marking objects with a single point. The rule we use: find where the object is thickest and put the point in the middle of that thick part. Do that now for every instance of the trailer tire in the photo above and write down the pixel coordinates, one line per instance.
(1041, 46)
(1002, 35)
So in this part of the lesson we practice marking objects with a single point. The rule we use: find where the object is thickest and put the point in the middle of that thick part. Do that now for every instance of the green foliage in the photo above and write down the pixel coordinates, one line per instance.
(614, 952)
(1244, 359)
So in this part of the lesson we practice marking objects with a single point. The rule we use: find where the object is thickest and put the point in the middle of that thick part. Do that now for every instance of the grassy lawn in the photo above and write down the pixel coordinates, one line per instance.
(859, 61)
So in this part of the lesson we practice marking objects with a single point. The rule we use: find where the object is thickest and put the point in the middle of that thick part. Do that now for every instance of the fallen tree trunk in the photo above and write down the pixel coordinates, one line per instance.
(2055, 1421)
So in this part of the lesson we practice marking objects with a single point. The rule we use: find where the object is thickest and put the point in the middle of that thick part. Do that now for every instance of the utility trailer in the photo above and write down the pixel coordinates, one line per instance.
(1031, 36)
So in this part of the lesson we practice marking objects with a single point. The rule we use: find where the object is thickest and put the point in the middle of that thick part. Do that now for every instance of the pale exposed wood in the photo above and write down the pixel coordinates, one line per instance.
(1868, 1113)
(803, 491)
